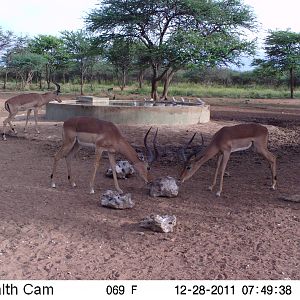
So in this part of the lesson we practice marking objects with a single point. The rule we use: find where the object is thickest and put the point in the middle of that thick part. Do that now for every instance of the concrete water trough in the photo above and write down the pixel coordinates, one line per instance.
(130, 112)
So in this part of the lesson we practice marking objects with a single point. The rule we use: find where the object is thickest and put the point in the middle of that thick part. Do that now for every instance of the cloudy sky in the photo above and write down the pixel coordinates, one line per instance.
(33, 17)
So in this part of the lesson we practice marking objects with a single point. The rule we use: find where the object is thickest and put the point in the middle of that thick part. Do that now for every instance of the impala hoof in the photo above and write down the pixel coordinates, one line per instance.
(210, 188)
(53, 185)
(92, 191)
(218, 194)
(73, 184)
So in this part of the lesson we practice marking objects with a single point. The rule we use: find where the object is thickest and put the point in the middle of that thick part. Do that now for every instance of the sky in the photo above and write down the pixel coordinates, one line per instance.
(34, 17)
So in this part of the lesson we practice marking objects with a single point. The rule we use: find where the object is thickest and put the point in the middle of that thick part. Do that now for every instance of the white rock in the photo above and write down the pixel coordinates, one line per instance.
(123, 169)
(164, 187)
(159, 223)
(115, 200)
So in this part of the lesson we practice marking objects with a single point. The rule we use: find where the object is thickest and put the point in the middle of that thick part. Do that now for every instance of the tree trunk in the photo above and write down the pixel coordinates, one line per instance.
(81, 77)
(29, 78)
(5, 79)
(154, 82)
(141, 78)
(123, 79)
(48, 76)
(292, 82)
(167, 80)
(154, 93)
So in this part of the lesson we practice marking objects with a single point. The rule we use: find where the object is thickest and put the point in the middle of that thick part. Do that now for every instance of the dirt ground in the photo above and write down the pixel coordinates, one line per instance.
(247, 233)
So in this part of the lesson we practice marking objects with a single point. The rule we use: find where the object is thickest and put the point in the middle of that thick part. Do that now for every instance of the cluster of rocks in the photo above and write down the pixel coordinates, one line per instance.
(161, 187)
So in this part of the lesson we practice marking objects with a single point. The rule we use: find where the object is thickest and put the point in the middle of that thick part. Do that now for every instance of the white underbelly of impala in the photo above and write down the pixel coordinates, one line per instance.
(85, 144)
(240, 145)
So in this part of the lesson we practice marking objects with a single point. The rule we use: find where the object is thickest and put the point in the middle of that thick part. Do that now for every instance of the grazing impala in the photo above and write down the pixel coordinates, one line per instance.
(103, 136)
(225, 141)
(29, 102)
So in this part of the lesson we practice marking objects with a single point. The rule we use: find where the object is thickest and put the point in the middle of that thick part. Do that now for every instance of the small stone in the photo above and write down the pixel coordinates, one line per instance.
(115, 200)
(159, 223)
(164, 187)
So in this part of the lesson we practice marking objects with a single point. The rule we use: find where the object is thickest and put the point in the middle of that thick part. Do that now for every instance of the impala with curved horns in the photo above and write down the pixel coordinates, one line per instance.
(29, 102)
(225, 141)
(103, 136)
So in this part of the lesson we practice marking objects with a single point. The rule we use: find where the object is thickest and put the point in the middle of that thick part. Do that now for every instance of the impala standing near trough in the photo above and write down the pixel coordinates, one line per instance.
(29, 102)
(103, 136)
(225, 141)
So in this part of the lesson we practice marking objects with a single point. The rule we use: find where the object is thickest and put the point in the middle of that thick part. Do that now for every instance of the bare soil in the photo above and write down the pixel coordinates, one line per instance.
(247, 233)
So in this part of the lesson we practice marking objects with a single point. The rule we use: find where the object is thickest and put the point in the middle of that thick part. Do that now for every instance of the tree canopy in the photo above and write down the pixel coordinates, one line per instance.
(282, 50)
(176, 33)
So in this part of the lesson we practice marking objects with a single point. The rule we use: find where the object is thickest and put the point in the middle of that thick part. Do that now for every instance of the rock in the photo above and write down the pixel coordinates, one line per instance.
(292, 198)
(113, 199)
(159, 223)
(123, 169)
(164, 187)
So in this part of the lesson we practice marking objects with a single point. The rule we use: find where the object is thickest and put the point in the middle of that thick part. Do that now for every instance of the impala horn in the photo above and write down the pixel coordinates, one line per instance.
(182, 151)
(195, 152)
(151, 155)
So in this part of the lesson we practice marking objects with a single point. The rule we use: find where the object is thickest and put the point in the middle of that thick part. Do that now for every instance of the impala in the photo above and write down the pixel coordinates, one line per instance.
(103, 136)
(29, 102)
(225, 141)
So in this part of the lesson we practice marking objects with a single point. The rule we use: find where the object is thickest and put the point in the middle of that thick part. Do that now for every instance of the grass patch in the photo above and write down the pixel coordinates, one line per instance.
(176, 90)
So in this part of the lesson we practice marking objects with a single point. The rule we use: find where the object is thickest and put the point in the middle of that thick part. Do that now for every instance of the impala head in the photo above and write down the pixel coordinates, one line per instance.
(57, 92)
(190, 166)
(189, 169)
(143, 166)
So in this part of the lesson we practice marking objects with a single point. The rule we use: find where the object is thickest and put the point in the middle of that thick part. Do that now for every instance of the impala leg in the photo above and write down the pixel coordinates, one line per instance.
(99, 152)
(216, 172)
(63, 152)
(272, 161)
(28, 114)
(225, 159)
(35, 111)
(112, 161)
(68, 158)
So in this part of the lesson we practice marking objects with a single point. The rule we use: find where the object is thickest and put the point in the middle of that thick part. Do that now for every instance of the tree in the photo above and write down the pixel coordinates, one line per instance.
(120, 54)
(26, 64)
(282, 54)
(80, 46)
(6, 39)
(176, 33)
(50, 47)
(17, 45)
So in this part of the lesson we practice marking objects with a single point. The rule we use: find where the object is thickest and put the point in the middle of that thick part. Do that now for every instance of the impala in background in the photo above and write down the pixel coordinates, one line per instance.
(225, 141)
(29, 102)
(103, 136)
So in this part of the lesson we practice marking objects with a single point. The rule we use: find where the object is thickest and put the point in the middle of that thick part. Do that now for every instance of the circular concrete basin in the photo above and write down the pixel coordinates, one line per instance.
(131, 112)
